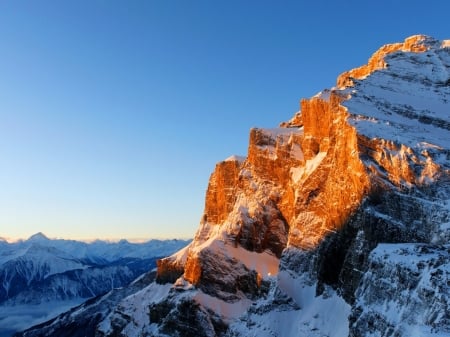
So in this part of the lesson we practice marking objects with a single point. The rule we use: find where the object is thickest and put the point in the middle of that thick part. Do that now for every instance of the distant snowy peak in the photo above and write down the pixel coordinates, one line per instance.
(34, 270)
(38, 237)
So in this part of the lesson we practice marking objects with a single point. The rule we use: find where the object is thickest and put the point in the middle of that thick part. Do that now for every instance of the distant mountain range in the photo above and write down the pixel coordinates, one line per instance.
(40, 275)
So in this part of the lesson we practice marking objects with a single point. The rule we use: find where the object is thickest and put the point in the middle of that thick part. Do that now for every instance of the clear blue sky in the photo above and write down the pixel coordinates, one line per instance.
(114, 113)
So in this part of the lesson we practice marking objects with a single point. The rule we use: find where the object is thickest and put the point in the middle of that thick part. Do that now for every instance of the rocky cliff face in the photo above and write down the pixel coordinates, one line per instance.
(294, 235)
(360, 164)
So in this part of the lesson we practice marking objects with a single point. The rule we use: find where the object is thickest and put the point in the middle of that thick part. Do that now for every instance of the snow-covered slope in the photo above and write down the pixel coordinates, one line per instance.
(47, 274)
(405, 292)
(335, 224)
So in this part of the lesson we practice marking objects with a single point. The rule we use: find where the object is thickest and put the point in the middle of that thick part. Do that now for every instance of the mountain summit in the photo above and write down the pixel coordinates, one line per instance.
(337, 223)
(38, 237)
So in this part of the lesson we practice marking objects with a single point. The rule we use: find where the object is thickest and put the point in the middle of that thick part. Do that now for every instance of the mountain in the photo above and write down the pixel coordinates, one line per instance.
(336, 223)
(40, 277)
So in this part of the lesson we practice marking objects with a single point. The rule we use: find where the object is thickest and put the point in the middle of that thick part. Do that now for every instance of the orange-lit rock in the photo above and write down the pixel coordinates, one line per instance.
(303, 181)
(376, 62)
(221, 193)
(333, 182)
(193, 269)
(168, 270)
(271, 153)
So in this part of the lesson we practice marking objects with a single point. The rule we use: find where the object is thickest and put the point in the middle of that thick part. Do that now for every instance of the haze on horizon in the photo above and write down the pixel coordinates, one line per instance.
(113, 114)
(90, 239)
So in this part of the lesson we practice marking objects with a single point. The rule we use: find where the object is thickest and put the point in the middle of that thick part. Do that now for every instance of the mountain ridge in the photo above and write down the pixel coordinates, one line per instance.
(40, 275)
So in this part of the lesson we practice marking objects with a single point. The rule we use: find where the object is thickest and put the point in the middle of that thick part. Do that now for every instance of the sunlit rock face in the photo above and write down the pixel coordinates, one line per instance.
(296, 185)
(221, 194)
(304, 180)
(311, 233)
(358, 165)
(333, 181)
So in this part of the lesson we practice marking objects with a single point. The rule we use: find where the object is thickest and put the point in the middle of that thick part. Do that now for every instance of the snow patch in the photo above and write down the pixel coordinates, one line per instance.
(296, 152)
(281, 132)
(327, 313)
(406, 288)
(181, 255)
(224, 309)
(315, 316)
(324, 95)
(445, 44)
(136, 306)
(299, 174)
(265, 264)
(239, 159)
(407, 102)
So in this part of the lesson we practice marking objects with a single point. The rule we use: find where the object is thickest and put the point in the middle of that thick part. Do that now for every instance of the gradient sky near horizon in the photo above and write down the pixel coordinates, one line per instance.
(113, 114)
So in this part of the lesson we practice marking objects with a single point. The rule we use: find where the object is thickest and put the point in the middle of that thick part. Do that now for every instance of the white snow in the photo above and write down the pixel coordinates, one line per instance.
(445, 44)
(224, 309)
(181, 255)
(265, 263)
(299, 174)
(281, 132)
(137, 305)
(296, 152)
(281, 137)
(325, 315)
(389, 102)
(324, 94)
(42, 259)
(96, 251)
(239, 159)
(416, 306)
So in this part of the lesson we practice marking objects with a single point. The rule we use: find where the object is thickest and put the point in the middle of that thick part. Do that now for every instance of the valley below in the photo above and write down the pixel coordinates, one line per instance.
(42, 278)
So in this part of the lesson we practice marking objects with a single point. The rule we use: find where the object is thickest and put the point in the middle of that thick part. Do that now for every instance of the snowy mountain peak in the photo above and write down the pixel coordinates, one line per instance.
(38, 237)
(413, 44)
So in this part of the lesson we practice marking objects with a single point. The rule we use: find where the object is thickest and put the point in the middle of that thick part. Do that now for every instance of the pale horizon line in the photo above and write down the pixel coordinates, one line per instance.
(9, 239)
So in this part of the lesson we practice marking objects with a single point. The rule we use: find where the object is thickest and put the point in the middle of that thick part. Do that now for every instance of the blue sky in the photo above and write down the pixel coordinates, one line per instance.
(114, 113)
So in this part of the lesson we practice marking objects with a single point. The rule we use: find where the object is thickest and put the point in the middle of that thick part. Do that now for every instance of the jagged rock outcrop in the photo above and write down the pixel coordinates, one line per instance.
(222, 191)
(313, 177)
(346, 173)
(294, 234)
(416, 44)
